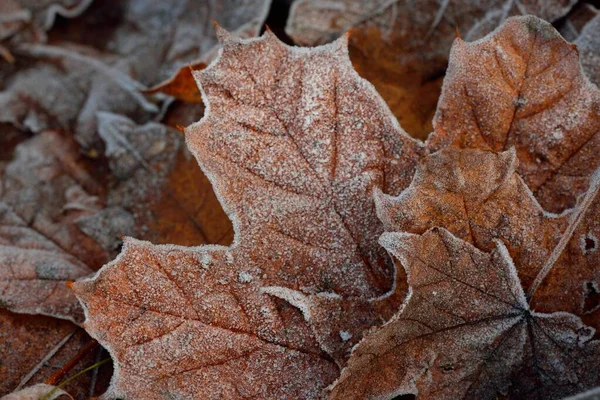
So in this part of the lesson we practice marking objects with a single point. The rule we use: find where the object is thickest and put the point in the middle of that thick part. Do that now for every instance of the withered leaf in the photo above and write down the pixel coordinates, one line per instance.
(467, 332)
(402, 46)
(32, 349)
(36, 392)
(294, 141)
(478, 196)
(28, 20)
(523, 86)
(62, 84)
(43, 192)
(589, 48)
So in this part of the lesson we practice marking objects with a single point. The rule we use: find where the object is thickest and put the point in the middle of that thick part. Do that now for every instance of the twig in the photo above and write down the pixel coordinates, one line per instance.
(91, 345)
(44, 360)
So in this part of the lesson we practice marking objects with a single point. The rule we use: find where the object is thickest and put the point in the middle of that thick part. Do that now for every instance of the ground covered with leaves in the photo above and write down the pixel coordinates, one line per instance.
(299, 199)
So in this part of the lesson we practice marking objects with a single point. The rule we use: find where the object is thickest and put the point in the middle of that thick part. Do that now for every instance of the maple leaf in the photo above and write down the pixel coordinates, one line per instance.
(467, 332)
(294, 141)
(402, 46)
(523, 86)
(479, 197)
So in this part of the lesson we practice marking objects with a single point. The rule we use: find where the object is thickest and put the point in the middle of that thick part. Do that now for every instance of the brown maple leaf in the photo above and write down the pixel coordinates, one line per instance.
(479, 197)
(467, 331)
(523, 86)
(294, 141)
(402, 46)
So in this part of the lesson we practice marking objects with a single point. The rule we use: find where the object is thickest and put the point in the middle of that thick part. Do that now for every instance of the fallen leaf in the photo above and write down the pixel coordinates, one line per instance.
(582, 13)
(36, 392)
(293, 141)
(479, 197)
(402, 46)
(589, 49)
(467, 332)
(523, 86)
(182, 85)
(28, 20)
(44, 192)
(34, 347)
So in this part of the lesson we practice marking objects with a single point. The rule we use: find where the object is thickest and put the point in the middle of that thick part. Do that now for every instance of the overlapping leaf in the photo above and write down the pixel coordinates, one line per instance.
(294, 142)
(402, 46)
(523, 86)
(467, 332)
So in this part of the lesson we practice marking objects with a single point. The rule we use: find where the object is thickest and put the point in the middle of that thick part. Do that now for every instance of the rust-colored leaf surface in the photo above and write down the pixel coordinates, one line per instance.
(467, 332)
(523, 86)
(402, 46)
(294, 141)
(479, 197)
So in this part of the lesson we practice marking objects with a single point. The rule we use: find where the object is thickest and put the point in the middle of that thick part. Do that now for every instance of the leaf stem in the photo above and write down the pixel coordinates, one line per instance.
(576, 219)
(83, 371)
(91, 345)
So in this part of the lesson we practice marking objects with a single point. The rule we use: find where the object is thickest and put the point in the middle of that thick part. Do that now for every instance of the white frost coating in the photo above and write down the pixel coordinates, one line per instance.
(59, 9)
(129, 84)
(36, 392)
(345, 336)
(245, 277)
(583, 243)
(294, 297)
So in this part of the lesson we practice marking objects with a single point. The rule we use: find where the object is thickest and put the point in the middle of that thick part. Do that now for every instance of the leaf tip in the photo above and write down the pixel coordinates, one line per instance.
(223, 35)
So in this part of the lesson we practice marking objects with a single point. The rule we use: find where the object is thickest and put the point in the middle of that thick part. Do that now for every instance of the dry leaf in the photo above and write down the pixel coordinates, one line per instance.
(402, 46)
(34, 347)
(294, 143)
(28, 20)
(44, 191)
(589, 48)
(36, 392)
(479, 197)
(522, 86)
(467, 332)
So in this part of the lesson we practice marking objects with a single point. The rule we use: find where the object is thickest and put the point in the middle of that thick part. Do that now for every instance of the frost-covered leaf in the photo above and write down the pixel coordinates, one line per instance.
(294, 141)
(38, 391)
(402, 46)
(43, 192)
(589, 48)
(34, 346)
(104, 59)
(467, 332)
(523, 86)
(28, 20)
(478, 196)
